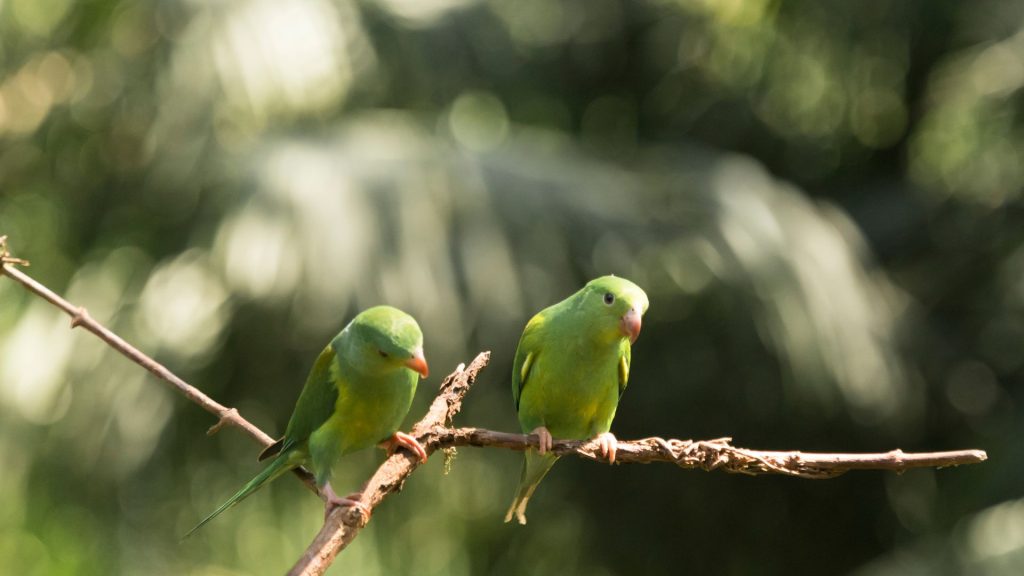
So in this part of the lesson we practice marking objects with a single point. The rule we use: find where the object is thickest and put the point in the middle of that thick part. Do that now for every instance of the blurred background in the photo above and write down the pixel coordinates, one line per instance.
(823, 201)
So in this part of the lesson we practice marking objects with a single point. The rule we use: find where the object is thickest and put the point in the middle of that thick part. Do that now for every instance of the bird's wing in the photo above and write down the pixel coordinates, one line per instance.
(526, 355)
(625, 356)
(272, 450)
(316, 402)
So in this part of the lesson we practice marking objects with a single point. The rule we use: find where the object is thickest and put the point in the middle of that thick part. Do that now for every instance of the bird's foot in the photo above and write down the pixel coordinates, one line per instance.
(543, 439)
(403, 440)
(608, 445)
(353, 500)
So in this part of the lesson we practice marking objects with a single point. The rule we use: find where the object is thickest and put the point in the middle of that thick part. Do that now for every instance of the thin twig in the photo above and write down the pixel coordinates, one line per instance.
(343, 524)
(80, 317)
(718, 454)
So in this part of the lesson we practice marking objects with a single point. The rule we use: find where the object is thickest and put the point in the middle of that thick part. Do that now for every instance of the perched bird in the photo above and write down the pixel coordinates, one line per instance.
(356, 395)
(571, 367)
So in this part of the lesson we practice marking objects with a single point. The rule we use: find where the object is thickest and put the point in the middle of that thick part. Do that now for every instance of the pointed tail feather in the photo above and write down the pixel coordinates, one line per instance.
(279, 466)
(535, 467)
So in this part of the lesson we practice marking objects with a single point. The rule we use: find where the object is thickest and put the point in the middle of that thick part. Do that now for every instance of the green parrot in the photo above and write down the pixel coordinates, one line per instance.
(570, 370)
(356, 395)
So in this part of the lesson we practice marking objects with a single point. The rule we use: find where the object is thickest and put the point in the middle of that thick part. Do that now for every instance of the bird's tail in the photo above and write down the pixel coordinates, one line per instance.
(535, 466)
(278, 466)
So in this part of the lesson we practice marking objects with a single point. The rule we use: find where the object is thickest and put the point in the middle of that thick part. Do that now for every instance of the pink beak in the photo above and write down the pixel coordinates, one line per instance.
(630, 324)
(418, 363)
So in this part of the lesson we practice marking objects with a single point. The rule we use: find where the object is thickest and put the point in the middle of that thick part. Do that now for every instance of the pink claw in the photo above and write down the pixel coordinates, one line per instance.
(353, 500)
(544, 440)
(609, 444)
(403, 440)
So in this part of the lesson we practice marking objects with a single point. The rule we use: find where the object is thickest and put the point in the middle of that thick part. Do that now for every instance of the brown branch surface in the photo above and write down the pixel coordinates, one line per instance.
(718, 454)
(344, 524)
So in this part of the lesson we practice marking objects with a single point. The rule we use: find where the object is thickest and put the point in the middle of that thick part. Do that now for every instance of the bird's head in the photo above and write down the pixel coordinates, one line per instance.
(621, 304)
(385, 338)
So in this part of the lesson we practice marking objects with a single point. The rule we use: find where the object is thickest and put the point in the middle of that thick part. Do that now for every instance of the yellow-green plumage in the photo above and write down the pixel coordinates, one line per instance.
(356, 395)
(570, 369)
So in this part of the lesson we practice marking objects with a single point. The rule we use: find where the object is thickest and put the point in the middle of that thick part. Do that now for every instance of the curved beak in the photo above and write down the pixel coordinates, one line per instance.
(418, 363)
(630, 324)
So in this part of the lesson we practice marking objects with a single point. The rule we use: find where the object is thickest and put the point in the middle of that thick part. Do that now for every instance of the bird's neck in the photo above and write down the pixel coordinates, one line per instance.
(586, 327)
(348, 357)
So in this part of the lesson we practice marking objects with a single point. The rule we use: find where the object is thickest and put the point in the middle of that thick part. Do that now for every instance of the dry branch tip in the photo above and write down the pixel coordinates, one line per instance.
(5, 254)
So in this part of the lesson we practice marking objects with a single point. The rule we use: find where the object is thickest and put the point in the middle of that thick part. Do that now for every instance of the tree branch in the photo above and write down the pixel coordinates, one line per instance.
(718, 454)
(344, 524)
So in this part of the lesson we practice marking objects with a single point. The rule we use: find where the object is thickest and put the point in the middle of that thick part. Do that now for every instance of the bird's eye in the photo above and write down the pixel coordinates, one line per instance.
(609, 298)
(382, 353)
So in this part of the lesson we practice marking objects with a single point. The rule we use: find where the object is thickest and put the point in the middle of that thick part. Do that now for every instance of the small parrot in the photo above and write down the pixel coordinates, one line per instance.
(356, 395)
(570, 370)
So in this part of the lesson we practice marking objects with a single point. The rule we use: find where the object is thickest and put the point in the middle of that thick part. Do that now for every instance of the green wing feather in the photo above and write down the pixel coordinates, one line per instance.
(316, 402)
(526, 355)
(625, 356)
(272, 450)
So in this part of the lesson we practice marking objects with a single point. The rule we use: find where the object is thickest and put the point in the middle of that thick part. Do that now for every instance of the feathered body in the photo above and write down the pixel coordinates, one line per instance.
(570, 370)
(356, 395)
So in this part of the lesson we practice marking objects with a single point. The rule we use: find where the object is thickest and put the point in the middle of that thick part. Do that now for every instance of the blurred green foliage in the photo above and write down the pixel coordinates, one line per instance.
(822, 199)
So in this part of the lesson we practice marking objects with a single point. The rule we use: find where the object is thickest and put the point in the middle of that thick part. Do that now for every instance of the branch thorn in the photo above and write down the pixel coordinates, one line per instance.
(80, 317)
(226, 417)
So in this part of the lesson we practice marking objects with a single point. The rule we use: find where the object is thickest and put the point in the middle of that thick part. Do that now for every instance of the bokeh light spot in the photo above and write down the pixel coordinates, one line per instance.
(478, 121)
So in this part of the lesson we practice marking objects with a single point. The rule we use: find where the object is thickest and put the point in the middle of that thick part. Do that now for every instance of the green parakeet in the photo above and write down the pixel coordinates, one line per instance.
(356, 395)
(571, 367)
